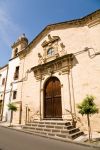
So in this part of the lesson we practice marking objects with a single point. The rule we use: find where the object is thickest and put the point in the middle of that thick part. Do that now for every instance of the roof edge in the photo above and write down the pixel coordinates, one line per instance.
(3, 66)
(48, 27)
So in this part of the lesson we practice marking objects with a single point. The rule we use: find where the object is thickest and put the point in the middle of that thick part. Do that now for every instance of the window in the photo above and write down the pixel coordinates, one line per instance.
(14, 94)
(50, 51)
(15, 52)
(3, 81)
(16, 74)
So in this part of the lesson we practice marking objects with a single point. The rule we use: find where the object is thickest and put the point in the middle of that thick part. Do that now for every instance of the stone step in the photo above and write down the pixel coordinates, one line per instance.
(53, 128)
(35, 123)
(75, 135)
(69, 127)
(51, 131)
(28, 127)
(50, 126)
(58, 128)
(43, 129)
(61, 135)
(74, 130)
(47, 133)
(53, 119)
(41, 125)
(57, 134)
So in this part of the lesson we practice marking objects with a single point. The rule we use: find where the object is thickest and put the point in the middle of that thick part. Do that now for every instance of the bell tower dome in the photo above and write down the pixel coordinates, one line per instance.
(19, 45)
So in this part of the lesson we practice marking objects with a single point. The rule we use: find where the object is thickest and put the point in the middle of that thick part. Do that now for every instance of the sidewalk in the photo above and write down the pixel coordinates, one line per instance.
(14, 126)
(85, 137)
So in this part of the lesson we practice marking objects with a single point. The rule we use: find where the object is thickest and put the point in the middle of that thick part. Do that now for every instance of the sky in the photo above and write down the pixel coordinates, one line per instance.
(32, 16)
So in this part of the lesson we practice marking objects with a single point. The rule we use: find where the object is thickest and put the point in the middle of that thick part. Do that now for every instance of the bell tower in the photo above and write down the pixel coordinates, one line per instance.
(19, 45)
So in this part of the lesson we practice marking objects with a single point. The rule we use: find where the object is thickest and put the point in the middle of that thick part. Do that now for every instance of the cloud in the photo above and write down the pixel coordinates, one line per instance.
(8, 28)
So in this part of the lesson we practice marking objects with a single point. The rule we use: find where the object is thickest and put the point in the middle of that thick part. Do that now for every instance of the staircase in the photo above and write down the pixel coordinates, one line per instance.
(55, 129)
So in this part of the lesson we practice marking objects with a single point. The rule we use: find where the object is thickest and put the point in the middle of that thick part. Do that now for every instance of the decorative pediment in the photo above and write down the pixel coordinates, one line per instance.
(52, 49)
(51, 39)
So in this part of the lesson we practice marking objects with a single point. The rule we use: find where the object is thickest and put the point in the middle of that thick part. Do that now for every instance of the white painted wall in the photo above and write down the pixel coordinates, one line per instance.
(3, 73)
(10, 79)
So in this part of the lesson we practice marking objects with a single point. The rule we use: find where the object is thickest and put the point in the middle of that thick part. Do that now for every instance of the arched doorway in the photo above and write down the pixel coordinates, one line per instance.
(52, 98)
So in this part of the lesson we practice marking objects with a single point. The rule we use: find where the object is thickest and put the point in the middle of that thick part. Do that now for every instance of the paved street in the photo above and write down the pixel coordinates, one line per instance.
(14, 140)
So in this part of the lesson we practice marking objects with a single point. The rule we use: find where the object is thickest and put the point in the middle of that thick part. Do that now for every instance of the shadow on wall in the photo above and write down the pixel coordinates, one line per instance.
(75, 61)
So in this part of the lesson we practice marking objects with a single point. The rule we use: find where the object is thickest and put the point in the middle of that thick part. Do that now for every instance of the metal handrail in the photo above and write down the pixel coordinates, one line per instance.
(32, 116)
(74, 118)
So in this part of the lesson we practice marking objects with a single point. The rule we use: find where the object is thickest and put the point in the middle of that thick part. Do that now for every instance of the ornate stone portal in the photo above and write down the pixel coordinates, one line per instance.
(61, 65)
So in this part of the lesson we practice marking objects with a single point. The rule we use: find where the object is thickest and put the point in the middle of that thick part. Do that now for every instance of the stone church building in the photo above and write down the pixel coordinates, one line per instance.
(49, 76)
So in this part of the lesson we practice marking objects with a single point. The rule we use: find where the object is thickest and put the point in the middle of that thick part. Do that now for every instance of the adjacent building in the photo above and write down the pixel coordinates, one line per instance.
(13, 78)
(3, 79)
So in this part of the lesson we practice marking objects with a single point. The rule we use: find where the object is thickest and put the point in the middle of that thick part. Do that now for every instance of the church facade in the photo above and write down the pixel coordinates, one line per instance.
(56, 71)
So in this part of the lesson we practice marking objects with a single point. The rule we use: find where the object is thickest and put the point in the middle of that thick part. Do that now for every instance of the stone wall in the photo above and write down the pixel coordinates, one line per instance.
(84, 75)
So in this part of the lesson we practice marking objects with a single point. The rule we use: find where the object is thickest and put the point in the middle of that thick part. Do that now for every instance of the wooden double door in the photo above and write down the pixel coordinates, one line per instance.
(52, 98)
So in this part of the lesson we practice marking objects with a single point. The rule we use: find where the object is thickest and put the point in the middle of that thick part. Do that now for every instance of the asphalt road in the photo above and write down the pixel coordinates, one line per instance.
(15, 140)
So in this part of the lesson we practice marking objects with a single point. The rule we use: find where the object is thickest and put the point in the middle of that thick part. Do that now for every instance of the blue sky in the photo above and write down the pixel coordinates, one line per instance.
(31, 16)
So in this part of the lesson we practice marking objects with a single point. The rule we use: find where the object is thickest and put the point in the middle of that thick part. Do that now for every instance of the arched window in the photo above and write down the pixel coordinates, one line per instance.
(16, 74)
(15, 52)
(50, 52)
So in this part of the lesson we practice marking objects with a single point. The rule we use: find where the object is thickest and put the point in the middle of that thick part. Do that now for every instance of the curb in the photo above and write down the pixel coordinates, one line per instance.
(54, 138)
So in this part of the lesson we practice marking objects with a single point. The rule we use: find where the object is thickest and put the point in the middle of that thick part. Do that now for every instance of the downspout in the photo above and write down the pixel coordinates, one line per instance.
(4, 92)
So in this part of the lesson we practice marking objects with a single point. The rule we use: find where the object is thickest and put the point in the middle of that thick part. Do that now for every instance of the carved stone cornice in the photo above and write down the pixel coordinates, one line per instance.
(94, 22)
(61, 65)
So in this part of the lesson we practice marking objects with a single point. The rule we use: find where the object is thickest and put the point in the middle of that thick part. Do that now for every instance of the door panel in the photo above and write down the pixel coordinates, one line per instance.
(57, 107)
(48, 108)
(52, 99)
